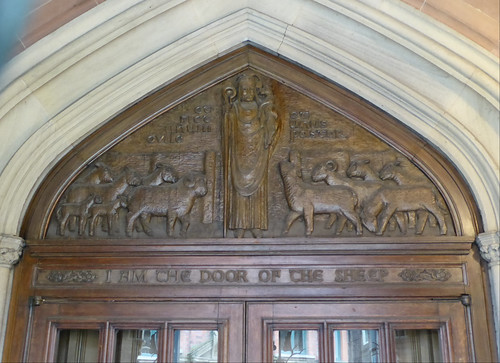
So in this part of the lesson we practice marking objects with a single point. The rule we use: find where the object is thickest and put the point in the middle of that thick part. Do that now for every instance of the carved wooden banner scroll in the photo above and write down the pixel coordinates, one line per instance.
(250, 157)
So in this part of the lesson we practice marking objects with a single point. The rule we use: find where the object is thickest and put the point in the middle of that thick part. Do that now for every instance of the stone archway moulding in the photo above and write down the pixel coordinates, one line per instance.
(73, 81)
(443, 88)
(70, 83)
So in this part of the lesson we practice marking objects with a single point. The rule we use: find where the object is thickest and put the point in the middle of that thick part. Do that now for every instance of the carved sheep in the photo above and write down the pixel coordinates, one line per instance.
(361, 169)
(100, 174)
(106, 210)
(402, 173)
(389, 200)
(108, 192)
(307, 199)
(327, 172)
(161, 174)
(77, 210)
(173, 201)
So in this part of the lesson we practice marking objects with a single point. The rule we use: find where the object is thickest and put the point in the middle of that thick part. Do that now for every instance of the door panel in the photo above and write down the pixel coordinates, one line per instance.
(275, 332)
(136, 331)
(358, 332)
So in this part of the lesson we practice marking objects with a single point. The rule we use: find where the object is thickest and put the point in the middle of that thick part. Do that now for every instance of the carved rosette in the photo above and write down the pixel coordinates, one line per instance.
(489, 246)
(71, 276)
(431, 274)
(11, 249)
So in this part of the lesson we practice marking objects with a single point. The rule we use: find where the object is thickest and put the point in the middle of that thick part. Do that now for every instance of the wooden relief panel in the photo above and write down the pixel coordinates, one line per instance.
(250, 157)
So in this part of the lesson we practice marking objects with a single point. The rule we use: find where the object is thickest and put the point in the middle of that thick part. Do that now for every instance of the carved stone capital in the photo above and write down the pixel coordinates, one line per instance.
(489, 245)
(11, 248)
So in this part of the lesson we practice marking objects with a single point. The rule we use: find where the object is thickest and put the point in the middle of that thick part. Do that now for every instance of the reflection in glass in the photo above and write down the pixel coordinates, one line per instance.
(418, 346)
(353, 346)
(196, 346)
(293, 346)
(78, 345)
(136, 346)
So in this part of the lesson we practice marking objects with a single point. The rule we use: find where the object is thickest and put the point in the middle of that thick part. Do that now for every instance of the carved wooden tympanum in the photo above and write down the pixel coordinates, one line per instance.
(250, 157)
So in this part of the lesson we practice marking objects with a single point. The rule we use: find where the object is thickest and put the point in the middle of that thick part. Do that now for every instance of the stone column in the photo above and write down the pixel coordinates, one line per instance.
(11, 248)
(489, 245)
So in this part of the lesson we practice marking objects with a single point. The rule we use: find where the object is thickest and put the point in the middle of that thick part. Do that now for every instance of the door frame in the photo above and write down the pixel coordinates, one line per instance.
(386, 316)
(452, 252)
(108, 317)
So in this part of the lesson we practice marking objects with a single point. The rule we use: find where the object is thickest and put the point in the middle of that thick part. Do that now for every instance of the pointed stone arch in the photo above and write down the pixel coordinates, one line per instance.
(466, 219)
(443, 88)
(418, 96)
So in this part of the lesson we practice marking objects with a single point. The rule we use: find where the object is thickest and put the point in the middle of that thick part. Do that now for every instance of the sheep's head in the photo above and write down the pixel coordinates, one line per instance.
(369, 220)
(168, 174)
(389, 170)
(358, 168)
(197, 182)
(321, 171)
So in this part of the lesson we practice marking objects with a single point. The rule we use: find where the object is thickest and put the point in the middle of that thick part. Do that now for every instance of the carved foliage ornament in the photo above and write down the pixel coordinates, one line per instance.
(250, 157)
(11, 249)
(489, 245)
(431, 274)
(71, 276)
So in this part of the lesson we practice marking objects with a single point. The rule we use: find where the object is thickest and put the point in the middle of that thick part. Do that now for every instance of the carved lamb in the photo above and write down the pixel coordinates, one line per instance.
(173, 201)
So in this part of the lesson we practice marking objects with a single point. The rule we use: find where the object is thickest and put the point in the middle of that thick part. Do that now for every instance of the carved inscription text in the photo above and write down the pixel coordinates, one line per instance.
(245, 276)
(303, 126)
(197, 121)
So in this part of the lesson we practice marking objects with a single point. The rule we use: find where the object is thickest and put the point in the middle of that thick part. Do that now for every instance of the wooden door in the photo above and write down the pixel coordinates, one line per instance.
(276, 332)
(357, 332)
(143, 332)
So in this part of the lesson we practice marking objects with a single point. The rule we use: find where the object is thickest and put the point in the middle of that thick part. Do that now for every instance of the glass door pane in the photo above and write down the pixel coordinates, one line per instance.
(78, 345)
(293, 346)
(356, 346)
(196, 345)
(136, 346)
(418, 345)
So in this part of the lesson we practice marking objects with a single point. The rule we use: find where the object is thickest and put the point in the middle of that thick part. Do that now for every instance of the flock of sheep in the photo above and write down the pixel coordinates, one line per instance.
(356, 195)
(362, 196)
(98, 197)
